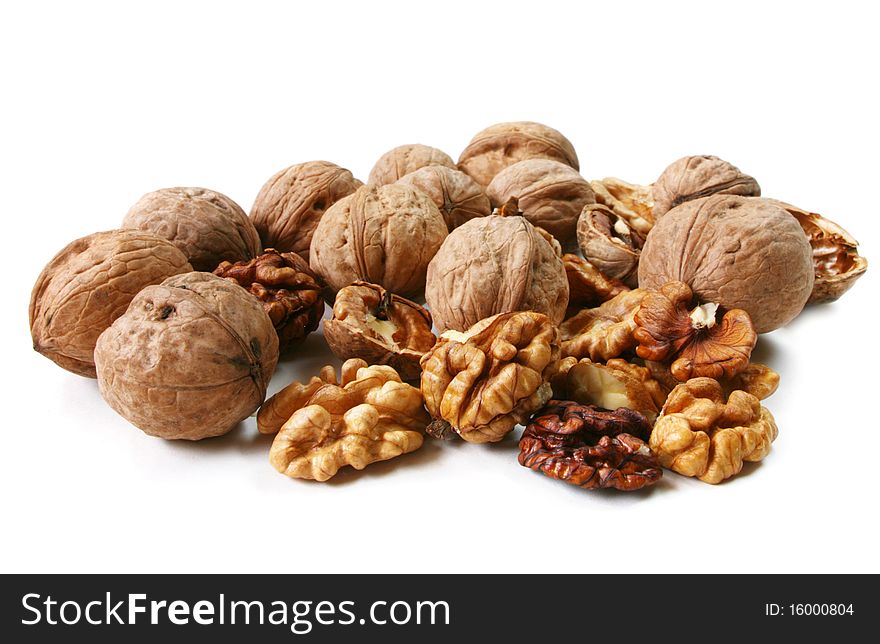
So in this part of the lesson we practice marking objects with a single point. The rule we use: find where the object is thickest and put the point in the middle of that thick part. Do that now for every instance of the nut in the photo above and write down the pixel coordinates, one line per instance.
(836, 260)
(404, 159)
(671, 328)
(371, 323)
(699, 176)
(588, 287)
(89, 284)
(702, 434)
(369, 416)
(207, 226)
(756, 379)
(551, 195)
(458, 197)
(481, 383)
(589, 447)
(280, 407)
(190, 358)
(609, 243)
(605, 331)
(383, 235)
(290, 204)
(495, 264)
(739, 252)
(631, 202)
(498, 146)
(287, 289)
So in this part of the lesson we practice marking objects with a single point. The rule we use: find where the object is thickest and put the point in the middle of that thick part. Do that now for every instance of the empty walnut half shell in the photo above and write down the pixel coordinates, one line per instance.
(629, 201)
(699, 176)
(608, 242)
(836, 256)
(481, 383)
(589, 447)
(588, 287)
(369, 416)
(286, 287)
(371, 323)
(605, 331)
(669, 327)
(702, 433)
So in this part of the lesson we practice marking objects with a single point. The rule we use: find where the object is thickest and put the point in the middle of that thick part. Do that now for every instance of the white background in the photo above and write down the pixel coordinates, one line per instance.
(104, 102)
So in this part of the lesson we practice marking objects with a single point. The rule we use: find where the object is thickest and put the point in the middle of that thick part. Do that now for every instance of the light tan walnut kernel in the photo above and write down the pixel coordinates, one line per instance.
(605, 331)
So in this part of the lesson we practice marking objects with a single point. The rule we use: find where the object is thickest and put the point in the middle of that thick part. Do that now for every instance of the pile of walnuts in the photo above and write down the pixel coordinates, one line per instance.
(614, 321)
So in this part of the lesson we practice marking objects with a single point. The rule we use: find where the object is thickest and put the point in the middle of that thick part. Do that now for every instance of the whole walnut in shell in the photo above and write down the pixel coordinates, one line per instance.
(290, 204)
(207, 226)
(498, 146)
(458, 197)
(699, 176)
(404, 159)
(738, 252)
(495, 264)
(384, 235)
(189, 359)
(549, 193)
(89, 284)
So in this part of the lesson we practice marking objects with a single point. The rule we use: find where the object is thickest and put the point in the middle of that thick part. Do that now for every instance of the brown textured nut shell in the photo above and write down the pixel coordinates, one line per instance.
(207, 226)
(189, 359)
(738, 252)
(458, 197)
(384, 235)
(699, 176)
(549, 193)
(609, 243)
(498, 146)
(495, 265)
(89, 284)
(290, 204)
(404, 159)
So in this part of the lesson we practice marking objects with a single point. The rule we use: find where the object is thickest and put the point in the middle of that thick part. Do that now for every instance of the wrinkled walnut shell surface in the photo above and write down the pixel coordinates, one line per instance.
(404, 159)
(458, 197)
(699, 176)
(608, 243)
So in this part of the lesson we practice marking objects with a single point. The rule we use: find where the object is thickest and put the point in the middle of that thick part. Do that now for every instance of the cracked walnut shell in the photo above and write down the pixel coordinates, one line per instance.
(369, 416)
(458, 197)
(380, 327)
(404, 159)
(702, 434)
(605, 331)
(286, 287)
(631, 202)
(699, 176)
(483, 382)
(607, 241)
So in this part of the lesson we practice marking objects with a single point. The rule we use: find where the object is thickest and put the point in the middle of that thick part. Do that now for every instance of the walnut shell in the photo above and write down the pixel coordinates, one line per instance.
(458, 197)
(498, 146)
(189, 359)
(89, 284)
(384, 235)
(290, 204)
(207, 226)
(404, 159)
(495, 264)
(609, 244)
(549, 193)
(737, 252)
(699, 176)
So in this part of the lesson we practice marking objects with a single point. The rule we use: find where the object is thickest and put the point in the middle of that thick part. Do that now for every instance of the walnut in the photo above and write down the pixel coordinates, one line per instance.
(589, 447)
(290, 204)
(90, 283)
(495, 264)
(605, 331)
(670, 327)
(371, 323)
(631, 202)
(458, 197)
(588, 287)
(383, 235)
(551, 195)
(608, 242)
(756, 379)
(612, 385)
(738, 252)
(483, 382)
(287, 289)
(369, 416)
(699, 176)
(701, 433)
(404, 159)
(498, 146)
(207, 226)
(189, 359)
(836, 260)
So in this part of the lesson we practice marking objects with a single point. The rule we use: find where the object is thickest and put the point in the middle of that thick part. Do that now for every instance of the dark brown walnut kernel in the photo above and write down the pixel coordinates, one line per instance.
(286, 287)
(590, 447)
(699, 176)
(609, 243)
(588, 287)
